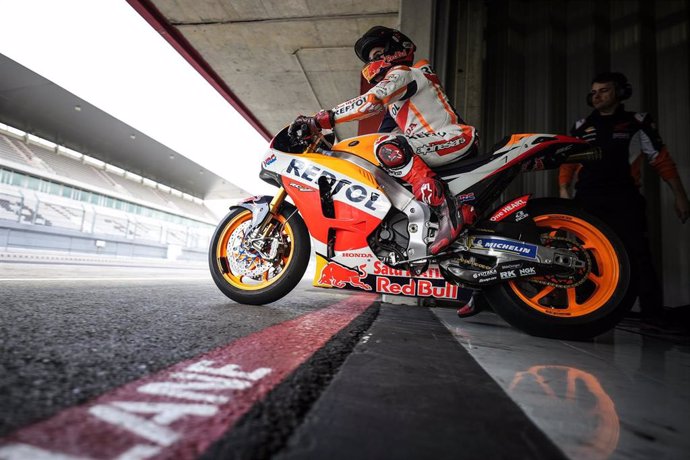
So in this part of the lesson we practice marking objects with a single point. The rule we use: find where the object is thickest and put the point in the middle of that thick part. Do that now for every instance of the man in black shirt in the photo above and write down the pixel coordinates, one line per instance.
(609, 189)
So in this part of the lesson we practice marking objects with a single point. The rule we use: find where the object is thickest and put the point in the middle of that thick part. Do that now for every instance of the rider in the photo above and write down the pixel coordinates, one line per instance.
(425, 130)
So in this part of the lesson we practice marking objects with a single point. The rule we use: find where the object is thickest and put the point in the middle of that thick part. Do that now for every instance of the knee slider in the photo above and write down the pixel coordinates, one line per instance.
(394, 153)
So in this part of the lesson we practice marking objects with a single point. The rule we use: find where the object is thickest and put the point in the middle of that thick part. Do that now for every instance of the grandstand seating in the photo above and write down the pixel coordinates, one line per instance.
(47, 160)
(109, 225)
(9, 152)
(61, 216)
(190, 207)
(176, 236)
(136, 189)
(31, 206)
(145, 231)
(8, 208)
(69, 167)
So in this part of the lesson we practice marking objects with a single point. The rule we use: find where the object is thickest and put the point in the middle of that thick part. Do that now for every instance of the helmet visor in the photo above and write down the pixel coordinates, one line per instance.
(373, 69)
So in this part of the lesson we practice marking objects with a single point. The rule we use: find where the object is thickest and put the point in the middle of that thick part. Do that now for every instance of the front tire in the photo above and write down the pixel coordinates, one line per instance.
(586, 310)
(259, 276)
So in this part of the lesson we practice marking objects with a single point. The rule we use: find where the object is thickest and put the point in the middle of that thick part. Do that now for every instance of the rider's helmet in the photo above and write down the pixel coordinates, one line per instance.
(397, 49)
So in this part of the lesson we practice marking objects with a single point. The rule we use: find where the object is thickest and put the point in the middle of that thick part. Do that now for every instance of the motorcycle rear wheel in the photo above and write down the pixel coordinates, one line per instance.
(247, 275)
(573, 313)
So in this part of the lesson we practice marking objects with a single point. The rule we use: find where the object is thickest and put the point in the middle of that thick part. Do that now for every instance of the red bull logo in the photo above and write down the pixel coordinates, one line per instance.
(338, 276)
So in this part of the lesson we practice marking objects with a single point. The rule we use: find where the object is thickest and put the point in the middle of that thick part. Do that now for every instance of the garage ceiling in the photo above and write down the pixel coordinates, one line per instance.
(38, 106)
(278, 58)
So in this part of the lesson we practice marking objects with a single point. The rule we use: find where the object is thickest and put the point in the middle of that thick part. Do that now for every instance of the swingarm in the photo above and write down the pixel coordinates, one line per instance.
(484, 259)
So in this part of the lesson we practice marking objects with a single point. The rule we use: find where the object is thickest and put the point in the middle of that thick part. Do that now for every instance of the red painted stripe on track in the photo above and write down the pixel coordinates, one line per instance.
(178, 412)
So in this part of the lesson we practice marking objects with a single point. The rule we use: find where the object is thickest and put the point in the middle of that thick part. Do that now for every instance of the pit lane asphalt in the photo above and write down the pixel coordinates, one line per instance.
(399, 379)
(64, 341)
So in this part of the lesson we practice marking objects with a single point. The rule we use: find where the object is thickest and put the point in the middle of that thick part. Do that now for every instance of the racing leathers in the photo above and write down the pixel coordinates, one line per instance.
(608, 188)
(427, 132)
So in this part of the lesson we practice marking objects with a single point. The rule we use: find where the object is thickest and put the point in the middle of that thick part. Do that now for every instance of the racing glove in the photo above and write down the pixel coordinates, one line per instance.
(305, 127)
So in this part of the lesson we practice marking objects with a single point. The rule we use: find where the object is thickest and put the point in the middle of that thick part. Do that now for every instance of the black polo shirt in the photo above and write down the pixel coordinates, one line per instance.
(614, 134)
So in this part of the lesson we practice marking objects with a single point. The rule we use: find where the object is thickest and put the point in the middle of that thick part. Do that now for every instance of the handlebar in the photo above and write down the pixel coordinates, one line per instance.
(303, 135)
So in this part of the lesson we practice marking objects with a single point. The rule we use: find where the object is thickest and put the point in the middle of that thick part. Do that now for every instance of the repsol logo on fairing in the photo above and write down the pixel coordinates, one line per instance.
(353, 192)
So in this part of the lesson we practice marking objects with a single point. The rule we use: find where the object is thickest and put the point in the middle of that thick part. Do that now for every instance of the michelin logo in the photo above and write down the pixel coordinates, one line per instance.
(514, 247)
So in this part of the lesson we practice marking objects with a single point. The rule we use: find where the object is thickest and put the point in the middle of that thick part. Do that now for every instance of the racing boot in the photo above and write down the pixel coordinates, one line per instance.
(432, 191)
(450, 223)
(469, 309)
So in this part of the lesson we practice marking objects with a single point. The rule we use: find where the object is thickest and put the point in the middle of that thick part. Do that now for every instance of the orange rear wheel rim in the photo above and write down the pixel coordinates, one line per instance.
(224, 251)
(601, 282)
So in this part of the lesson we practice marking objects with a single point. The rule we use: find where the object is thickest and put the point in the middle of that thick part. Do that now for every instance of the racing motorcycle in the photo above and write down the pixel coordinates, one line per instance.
(543, 265)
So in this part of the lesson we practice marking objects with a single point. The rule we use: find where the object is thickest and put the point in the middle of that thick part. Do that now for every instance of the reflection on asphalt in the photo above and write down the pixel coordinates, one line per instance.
(624, 395)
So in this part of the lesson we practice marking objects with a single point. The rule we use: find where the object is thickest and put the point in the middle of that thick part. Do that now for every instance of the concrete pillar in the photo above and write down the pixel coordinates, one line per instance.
(469, 65)
(416, 21)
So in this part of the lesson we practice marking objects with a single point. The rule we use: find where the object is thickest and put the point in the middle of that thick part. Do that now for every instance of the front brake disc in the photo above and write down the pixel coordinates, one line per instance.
(242, 258)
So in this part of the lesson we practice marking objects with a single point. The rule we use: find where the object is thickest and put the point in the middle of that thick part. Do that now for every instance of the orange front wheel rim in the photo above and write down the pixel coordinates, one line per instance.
(246, 269)
(600, 283)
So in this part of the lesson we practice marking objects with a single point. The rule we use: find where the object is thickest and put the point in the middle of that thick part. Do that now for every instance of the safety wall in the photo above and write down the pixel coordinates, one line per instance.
(515, 66)
(39, 238)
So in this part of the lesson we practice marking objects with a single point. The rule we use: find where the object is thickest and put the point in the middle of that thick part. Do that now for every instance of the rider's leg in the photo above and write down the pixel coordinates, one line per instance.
(397, 158)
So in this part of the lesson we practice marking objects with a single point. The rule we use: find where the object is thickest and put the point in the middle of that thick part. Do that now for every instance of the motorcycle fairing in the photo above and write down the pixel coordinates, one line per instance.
(343, 256)
(358, 204)
(511, 207)
(335, 170)
(516, 150)
(361, 146)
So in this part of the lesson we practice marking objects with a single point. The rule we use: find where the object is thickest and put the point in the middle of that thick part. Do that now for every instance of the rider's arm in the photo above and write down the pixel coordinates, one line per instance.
(660, 159)
(567, 176)
(567, 173)
(654, 149)
(398, 83)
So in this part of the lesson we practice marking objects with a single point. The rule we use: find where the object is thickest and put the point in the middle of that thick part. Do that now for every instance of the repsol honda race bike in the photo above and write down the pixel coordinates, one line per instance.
(543, 265)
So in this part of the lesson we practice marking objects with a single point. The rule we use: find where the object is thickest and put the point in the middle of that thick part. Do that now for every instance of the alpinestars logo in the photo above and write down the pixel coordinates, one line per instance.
(427, 193)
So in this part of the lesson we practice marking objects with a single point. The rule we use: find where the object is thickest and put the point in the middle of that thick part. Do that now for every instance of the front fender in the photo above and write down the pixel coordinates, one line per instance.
(258, 206)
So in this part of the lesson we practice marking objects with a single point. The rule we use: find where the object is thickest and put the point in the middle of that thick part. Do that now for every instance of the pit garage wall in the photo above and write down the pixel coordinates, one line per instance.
(515, 66)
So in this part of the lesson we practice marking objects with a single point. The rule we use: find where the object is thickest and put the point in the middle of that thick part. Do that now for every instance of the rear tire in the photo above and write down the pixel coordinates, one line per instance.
(573, 313)
(241, 272)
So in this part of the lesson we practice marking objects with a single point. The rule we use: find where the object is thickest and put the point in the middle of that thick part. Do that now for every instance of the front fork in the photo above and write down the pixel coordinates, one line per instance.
(273, 210)
(263, 209)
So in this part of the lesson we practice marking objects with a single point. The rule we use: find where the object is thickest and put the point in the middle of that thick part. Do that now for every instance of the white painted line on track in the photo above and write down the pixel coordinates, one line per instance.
(178, 412)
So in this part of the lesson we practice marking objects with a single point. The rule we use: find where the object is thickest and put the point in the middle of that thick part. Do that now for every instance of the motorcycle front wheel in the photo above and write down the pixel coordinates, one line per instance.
(259, 269)
(592, 304)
